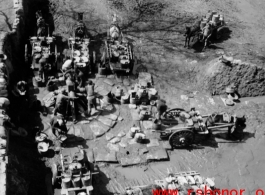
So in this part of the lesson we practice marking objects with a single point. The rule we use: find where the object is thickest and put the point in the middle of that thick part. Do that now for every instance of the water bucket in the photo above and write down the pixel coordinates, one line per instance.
(152, 94)
(215, 19)
(86, 181)
(118, 92)
(124, 99)
(76, 182)
(66, 182)
(132, 100)
(140, 93)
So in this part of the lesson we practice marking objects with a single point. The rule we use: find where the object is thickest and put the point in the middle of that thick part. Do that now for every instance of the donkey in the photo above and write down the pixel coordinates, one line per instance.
(192, 32)
(207, 33)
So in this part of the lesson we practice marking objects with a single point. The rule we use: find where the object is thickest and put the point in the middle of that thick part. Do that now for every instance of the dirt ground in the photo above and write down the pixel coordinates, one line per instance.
(158, 44)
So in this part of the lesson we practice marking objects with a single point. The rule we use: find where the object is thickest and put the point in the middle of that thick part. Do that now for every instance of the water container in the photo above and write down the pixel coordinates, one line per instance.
(76, 182)
(132, 100)
(124, 99)
(86, 181)
(182, 180)
(66, 182)
(102, 70)
(215, 18)
(118, 92)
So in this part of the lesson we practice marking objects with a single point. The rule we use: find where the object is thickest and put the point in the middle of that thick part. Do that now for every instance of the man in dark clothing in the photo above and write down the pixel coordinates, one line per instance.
(161, 108)
(59, 128)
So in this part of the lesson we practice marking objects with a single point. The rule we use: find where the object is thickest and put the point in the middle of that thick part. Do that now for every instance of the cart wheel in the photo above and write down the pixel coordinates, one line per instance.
(172, 113)
(181, 138)
(220, 32)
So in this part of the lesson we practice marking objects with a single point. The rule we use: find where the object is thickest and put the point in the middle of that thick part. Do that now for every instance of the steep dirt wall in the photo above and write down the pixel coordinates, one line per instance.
(248, 78)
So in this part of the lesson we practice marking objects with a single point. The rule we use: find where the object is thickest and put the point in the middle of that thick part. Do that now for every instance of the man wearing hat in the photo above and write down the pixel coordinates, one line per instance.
(59, 128)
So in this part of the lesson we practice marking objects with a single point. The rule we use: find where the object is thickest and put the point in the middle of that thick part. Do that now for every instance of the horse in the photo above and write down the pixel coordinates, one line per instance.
(207, 33)
(224, 118)
(192, 32)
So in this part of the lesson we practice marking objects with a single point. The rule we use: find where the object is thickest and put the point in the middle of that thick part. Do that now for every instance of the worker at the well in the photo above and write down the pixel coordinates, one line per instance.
(62, 101)
(45, 67)
(161, 107)
(59, 129)
(3, 69)
(90, 95)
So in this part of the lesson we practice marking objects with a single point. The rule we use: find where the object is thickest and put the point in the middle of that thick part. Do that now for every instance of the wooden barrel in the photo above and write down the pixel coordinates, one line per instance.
(86, 181)
(132, 100)
(66, 182)
(76, 182)
(124, 99)
(118, 92)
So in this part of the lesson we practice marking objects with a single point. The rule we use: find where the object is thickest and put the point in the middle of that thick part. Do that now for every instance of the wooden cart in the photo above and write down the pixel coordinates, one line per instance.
(181, 132)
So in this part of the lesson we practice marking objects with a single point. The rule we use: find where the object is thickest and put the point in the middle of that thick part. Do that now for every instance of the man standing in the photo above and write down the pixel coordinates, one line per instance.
(161, 107)
(91, 98)
(61, 102)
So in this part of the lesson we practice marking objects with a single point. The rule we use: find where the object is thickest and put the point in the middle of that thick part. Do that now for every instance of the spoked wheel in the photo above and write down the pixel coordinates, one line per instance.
(181, 138)
(173, 113)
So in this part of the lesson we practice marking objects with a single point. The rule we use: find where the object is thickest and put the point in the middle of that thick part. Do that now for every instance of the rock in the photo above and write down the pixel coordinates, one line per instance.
(148, 125)
(98, 128)
(115, 140)
(109, 82)
(111, 76)
(184, 97)
(120, 118)
(143, 151)
(132, 106)
(109, 136)
(105, 121)
(160, 154)
(111, 116)
(100, 76)
(107, 157)
(132, 141)
(130, 161)
(121, 134)
(113, 147)
(153, 143)
(248, 78)
(166, 145)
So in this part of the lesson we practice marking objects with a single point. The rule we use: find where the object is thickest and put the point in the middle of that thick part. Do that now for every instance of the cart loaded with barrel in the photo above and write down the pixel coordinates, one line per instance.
(217, 23)
(181, 127)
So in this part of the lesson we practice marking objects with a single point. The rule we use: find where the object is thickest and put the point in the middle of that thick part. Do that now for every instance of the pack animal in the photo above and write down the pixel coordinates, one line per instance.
(192, 31)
